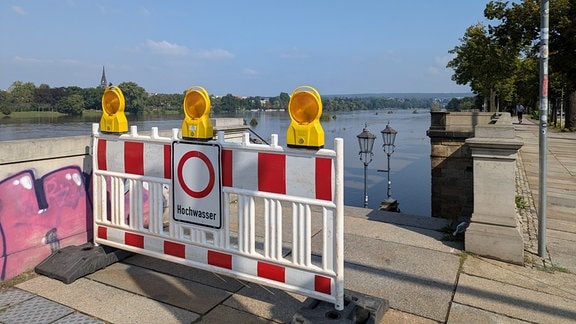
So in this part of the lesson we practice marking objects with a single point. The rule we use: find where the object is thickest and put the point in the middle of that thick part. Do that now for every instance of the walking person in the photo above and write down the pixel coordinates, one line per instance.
(519, 112)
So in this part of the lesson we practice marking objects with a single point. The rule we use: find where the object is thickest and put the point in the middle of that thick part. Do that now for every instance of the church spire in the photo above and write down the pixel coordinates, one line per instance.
(103, 82)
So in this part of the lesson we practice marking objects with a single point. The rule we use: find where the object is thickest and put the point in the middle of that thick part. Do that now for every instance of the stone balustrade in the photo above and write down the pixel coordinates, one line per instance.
(473, 179)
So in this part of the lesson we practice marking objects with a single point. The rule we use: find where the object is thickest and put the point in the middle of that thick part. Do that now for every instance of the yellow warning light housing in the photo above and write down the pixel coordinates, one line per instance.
(196, 123)
(305, 109)
(113, 118)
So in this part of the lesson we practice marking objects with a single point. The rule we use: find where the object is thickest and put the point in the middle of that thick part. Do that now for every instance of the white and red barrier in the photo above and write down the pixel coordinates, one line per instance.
(251, 211)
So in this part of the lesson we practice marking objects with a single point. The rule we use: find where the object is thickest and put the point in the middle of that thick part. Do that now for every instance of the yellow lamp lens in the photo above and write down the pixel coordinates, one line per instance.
(303, 107)
(110, 102)
(194, 104)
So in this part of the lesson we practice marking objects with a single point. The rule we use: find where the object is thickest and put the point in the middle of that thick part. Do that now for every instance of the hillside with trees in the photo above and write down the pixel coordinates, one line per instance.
(25, 96)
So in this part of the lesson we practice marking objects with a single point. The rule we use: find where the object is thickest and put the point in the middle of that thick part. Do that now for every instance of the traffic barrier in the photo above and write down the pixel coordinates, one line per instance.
(251, 211)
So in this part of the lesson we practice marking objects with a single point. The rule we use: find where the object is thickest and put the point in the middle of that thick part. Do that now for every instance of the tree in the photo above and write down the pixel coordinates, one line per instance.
(71, 105)
(135, 97)
(229, 103)
(22, 94)
(520, 27)
(93, 98)
(484, 64)
(43, 99)
(5, 103)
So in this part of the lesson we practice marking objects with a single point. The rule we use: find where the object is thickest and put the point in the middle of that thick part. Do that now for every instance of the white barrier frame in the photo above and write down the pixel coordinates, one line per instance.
(194, 245)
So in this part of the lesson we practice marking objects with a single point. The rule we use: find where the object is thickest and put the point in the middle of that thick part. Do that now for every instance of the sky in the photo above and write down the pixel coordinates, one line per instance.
(244, 48)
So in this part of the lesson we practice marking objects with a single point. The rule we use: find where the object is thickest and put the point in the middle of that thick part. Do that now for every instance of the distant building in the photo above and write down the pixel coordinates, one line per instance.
(103, 82)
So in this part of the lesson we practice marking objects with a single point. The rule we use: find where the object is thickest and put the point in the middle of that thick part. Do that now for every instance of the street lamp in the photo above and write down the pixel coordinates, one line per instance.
(366, 141)
(389, 137)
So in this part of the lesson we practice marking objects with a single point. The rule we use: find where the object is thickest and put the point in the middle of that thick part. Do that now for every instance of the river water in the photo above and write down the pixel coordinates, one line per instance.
(410, 163)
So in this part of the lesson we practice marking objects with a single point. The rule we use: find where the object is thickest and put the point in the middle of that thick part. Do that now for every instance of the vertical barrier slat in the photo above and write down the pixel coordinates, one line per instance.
(295, 242)
(252, 228)
(308, 236)
(328, 240)
(339, 224)
(278, 239)
(267, 229)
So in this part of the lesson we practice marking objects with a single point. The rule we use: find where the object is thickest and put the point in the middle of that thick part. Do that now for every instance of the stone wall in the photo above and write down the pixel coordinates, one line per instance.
(451, 162)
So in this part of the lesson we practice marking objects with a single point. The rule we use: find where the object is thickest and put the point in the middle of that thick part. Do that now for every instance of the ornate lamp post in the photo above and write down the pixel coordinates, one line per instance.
(389, 137)
(366, 141)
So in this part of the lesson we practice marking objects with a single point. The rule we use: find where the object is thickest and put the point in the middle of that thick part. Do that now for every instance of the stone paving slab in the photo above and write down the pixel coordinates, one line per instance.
(107, 303)
(178, 292)
(556, 283)
(395, 218)
(562, 249)
(414, 280)
(185, 272)
(516, 302)
(266, 302)
(408, 235)
(465, 314)
(225, 314)
(399, 317)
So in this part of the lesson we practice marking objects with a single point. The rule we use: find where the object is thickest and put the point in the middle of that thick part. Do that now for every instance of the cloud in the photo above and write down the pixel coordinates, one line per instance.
(19, 10)
(46, 62)
(432, 70)
(214, 54)
(250, 72)
(30, 60)
(143, 12)
(443, 60)
(294, 53)
(166, 48)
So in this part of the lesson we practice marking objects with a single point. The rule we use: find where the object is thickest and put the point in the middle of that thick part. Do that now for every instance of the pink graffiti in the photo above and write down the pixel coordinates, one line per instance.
(37, 216)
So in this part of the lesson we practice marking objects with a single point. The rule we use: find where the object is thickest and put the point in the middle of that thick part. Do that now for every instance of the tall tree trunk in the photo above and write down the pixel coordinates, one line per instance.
(571, 110)
(493, 107)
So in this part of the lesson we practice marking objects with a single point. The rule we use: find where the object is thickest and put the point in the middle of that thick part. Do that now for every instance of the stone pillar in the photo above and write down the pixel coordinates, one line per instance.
(494, 230)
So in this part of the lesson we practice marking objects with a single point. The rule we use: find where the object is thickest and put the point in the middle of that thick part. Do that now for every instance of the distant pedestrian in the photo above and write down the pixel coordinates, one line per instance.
(519, 112)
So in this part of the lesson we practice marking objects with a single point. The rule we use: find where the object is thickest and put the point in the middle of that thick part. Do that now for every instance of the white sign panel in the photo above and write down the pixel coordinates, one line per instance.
(197, 185)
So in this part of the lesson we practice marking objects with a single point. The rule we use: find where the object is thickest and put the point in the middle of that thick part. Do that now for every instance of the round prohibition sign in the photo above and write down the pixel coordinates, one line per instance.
(212, 178)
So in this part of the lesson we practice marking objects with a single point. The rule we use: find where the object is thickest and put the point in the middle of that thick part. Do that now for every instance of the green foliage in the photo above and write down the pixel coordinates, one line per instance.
(520, 202)
(135, 97)
(462, 104)
(253, 122)
(500, 61)
(93, 98)
(138, 101)
(6, 111)
(71, 105)
(163, 102)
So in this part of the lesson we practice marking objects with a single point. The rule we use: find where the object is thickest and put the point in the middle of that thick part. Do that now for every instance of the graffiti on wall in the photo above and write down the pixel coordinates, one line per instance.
(39, 215)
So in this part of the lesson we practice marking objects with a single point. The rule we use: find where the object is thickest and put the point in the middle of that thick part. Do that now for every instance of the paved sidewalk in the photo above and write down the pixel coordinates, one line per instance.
(404, 259)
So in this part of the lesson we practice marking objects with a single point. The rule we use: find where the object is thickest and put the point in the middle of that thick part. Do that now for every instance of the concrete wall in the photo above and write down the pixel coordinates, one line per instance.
(44, 200)
(45, 196)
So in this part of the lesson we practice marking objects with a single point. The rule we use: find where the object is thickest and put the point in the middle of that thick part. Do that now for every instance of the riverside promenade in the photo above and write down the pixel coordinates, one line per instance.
(409, 261)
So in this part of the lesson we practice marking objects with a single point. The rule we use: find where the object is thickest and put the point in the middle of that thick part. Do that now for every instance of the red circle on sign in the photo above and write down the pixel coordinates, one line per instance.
(196, 194)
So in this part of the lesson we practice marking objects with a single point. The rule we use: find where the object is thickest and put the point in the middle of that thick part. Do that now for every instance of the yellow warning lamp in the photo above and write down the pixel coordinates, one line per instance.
(305, 108)
(113, 118)
(196, 123)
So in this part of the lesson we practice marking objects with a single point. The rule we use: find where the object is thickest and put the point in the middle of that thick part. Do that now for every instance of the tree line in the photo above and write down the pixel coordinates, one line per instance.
(500, 60)
(25, 96)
